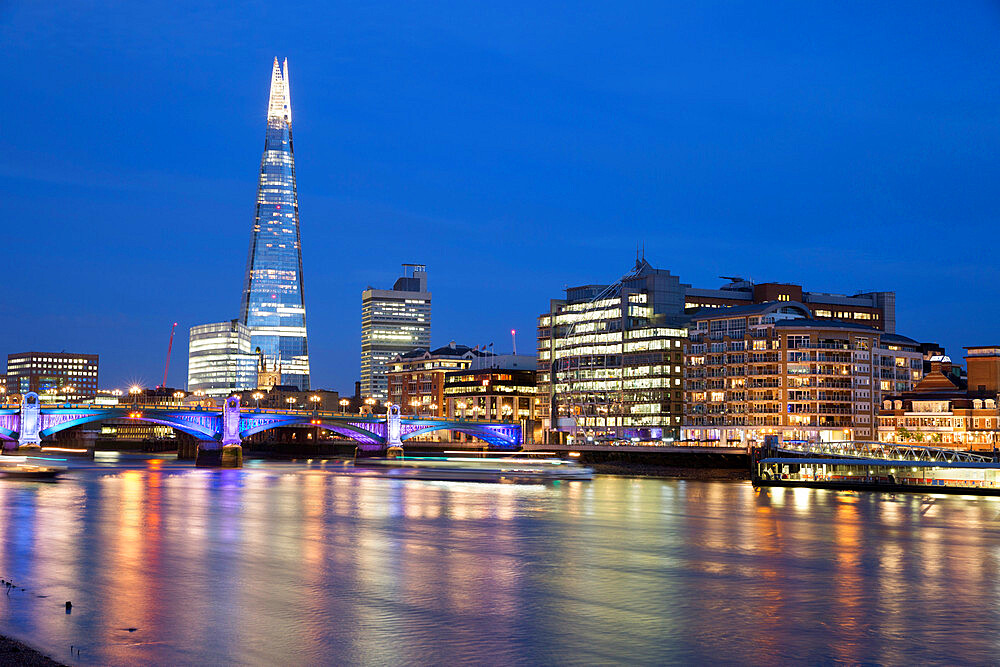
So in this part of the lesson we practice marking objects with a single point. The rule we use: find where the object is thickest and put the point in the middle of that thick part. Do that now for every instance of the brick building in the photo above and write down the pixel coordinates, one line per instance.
(773, 369)
(945, 409)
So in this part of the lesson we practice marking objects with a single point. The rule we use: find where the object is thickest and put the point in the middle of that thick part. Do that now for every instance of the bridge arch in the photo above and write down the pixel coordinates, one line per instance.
(267, 422)
(196, 430)
(495, 436)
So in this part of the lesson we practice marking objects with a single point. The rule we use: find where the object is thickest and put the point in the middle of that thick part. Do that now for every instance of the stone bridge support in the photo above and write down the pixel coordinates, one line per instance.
(229, 452)
(393, 432)
(29, 437)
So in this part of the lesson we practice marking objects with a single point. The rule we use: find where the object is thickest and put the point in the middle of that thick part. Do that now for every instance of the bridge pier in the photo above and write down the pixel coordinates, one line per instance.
(228, 453)
(211, 454)
(394, 428)
(29, 438)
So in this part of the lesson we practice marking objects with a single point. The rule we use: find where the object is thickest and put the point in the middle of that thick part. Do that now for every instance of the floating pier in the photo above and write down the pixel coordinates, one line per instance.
(875, 467)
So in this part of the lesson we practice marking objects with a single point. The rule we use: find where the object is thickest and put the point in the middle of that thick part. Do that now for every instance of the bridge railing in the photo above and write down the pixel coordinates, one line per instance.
(883, 450)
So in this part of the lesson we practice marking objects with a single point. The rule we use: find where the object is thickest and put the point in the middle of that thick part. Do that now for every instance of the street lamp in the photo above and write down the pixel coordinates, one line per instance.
(343, 405)
(434, 408)
(370, 402)
(315, 399)
(134, 391)
(178, 394)
(461, 406)
(414, 404)
(256, 396)
(290, 400)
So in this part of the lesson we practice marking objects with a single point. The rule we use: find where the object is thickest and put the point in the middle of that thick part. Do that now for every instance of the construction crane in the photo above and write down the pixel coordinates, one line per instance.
(170, 347)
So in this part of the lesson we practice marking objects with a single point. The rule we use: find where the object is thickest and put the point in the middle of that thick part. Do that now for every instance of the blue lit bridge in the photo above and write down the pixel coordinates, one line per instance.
(220, 431)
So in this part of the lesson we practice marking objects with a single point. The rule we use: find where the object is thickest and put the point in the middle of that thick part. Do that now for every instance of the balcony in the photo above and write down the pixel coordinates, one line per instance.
(823, 346)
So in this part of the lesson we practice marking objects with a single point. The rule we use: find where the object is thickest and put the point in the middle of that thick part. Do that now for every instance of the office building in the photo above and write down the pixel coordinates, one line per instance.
(273, 304)
(610, 359)
(393, 321)
(772, 369)
(946, 410)
(54, 376)
(493, 394)
(220, 359)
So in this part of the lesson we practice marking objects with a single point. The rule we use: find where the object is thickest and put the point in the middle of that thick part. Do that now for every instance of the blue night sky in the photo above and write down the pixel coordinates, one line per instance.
(512, 148)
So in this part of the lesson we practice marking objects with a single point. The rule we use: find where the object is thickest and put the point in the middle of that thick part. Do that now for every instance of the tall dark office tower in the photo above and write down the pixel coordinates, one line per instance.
(392, 322)
(273, 303)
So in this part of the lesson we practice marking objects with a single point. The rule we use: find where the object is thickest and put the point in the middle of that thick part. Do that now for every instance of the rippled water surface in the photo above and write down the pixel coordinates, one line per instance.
(283, 563)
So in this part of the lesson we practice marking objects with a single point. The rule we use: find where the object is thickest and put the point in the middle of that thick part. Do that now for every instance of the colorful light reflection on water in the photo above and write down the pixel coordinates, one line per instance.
(282, 563)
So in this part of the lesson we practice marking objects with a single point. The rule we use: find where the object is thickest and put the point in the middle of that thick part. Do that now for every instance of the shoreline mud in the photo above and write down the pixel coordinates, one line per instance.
(13, 652)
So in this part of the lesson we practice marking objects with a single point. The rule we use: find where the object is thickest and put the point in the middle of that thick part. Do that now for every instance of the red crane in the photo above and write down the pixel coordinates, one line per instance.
(169, 348)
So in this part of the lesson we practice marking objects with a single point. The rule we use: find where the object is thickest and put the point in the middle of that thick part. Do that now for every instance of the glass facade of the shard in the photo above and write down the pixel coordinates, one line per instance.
(273, 303)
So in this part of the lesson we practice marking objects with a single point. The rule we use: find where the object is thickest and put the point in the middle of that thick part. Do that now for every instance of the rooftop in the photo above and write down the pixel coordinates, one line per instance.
(749, 309)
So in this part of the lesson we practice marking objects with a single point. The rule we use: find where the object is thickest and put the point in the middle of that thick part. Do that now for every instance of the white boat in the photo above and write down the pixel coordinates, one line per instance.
(470, 469)
(30, 472)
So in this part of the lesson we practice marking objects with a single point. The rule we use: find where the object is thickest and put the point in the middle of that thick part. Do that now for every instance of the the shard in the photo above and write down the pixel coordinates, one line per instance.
(273, 302)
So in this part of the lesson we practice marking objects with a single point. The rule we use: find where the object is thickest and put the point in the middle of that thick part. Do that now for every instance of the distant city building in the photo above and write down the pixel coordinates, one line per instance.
(872, 309)
(273, 304)
(55, 376)
(610, 359)
(285, 397)
(416, 378)
(945, 409)
(393, 322)
(772, 369)
(592, 381)
(220, 359)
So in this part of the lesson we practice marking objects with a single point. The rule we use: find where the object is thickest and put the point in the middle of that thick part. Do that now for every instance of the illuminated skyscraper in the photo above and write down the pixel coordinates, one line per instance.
(220, 359)
(273, 302)
(392, 322)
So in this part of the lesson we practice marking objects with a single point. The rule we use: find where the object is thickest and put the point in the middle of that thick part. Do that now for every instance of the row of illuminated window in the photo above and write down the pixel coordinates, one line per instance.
(845, 314)
(662, 419)
(588, 351)
(657, 332)
(571, 341)
(491, 389)
(571, 318)
(591, 305)
(565, 386)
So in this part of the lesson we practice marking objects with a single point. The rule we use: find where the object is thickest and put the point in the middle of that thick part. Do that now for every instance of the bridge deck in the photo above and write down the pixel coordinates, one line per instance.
(648, 449)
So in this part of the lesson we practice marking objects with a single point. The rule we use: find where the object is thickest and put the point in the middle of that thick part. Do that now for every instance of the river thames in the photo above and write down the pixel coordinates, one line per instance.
(285, 563)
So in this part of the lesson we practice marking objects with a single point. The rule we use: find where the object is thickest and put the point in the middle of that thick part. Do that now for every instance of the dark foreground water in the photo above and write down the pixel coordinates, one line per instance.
(286, 564)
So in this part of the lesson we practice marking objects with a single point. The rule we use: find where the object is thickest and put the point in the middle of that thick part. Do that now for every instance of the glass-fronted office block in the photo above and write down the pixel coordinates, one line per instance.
(393, 322)
(273, 306)
(220, 359)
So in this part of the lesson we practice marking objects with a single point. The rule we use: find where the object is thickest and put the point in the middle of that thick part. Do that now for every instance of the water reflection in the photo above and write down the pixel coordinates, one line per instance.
(283, 563)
